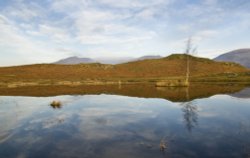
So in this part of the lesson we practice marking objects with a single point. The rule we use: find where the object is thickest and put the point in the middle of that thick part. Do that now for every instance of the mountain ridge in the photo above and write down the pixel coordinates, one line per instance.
(240, 56)
(82, 60)
(171, 66)
(74, 60)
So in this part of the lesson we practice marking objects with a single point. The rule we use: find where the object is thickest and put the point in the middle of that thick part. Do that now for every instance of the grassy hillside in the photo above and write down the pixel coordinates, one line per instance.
(169, 67)
(175, 65)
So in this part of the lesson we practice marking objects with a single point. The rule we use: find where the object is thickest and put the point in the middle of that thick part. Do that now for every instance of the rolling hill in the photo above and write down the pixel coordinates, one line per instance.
(240, 56)
(149, 70)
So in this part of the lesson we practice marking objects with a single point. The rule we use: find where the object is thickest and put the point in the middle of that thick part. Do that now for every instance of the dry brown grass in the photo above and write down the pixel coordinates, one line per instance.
(172, 66)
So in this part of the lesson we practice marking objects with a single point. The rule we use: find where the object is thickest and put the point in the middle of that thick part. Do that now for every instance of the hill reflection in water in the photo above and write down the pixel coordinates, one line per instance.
(104, 126)
(175, 94)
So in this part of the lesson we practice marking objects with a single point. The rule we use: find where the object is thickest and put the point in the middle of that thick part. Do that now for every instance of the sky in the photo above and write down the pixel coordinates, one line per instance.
(43, 31)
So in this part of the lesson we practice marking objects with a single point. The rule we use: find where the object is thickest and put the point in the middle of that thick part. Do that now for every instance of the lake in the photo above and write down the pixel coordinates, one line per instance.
(127, 125)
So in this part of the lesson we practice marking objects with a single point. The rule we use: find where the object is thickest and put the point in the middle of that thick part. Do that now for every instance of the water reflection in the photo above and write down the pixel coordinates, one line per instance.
(104, 126)
(190, 112)
(190, 115)
(56, 104)
(175, 94)
(245, 93)
(244, 127)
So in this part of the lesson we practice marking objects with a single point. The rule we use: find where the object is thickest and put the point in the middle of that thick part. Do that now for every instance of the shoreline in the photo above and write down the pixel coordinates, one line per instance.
(158, 82)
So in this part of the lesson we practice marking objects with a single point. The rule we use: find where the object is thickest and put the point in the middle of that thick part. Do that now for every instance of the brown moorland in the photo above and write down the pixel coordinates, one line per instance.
(171, 67)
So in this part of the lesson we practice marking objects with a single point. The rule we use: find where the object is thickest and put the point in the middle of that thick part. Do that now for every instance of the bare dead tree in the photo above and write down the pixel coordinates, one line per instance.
(190, 50)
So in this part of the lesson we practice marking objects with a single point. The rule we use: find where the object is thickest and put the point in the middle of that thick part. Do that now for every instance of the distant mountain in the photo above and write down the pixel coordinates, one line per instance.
(75, 60)
(240, 56)
(114, 61)
(125, 59)
(149, 57)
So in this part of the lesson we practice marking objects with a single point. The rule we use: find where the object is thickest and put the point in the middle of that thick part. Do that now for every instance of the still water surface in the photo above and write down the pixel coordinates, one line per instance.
(109, 126)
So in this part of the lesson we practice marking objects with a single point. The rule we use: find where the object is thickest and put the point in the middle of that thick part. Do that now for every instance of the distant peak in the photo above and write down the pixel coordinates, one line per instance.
(75, 60)
(73, 57)
(240, 56)
(149, 57)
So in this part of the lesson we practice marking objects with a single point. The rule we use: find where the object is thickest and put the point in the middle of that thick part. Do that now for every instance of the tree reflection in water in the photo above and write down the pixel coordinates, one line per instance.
(190, 112)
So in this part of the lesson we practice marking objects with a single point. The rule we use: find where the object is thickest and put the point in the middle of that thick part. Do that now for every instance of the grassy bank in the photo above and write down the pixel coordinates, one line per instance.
(243, 78)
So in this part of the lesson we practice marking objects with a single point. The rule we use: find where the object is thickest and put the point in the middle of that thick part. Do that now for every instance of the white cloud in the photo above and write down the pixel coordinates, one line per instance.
(98, 27)
(205, 34)
(146, 13)
(64, 5)
(21, 11)
(210, 2)
(56, 34)
(22, 48)
(134, 3)
(38, 31)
